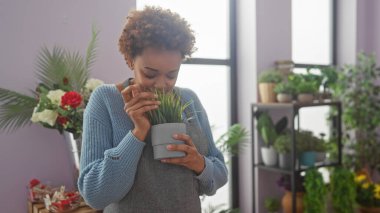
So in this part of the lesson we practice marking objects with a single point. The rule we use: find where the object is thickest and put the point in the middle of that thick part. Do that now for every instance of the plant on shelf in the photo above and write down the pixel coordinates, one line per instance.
(306, 147)
(167, 120)
(343, 190)
(329, 80)
(285, 92)
(315, 196)
(268, 132)
(61, 96)
(282, 145)
(229, 141)
(358, 90)
(305, 92)
(267, 82)
(272, 205)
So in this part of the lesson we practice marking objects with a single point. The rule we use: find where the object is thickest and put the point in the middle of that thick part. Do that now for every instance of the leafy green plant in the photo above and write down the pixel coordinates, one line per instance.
(306, 141)
(272, 204)
(270, 76)
(306, 87)
(229, 141)
(285, 88)
(329, 77)
(283, 143)
(268, 131)
(315, 196)
(343, 191)
(170, 109)
(358, 90)
(58, 71)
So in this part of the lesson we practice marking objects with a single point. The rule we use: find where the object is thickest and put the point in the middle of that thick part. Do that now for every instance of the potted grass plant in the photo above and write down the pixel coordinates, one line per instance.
(167, 120)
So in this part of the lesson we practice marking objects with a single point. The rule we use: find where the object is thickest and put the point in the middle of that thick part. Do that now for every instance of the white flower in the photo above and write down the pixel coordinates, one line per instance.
(92, 83)
(35, 117)
(48, 116)
(55, 96)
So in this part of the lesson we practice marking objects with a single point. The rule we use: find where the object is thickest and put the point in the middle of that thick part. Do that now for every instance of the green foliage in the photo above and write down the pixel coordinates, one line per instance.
(229, 141)
(358, 90)
(56, 69)
(272, 204)
(270, 76)
(306, 87)
(315, 196)
(306, 141)
(329, 77)
(285, 88)
(283, 143)
(268, 131)
(343, 190)
(170, 109)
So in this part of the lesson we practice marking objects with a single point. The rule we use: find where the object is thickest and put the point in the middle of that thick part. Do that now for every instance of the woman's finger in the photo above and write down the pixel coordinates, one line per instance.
(184, 137)
(129, 107)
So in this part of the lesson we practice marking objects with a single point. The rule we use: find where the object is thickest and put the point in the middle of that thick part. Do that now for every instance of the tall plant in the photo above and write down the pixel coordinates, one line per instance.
(359, 91)
(315, 197)
(343, 191)
(267, 129)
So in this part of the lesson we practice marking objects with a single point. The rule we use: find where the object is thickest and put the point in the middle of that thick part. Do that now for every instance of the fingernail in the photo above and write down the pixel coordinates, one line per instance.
(163, 161)
(175, 136)
(169, 147)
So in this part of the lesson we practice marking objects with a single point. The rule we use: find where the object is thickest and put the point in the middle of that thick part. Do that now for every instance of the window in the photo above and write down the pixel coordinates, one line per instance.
(208, 72)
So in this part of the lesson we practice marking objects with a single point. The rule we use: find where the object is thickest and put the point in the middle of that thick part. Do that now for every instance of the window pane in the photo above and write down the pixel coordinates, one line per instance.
(211, 84)
(209, 19)
(311, 31)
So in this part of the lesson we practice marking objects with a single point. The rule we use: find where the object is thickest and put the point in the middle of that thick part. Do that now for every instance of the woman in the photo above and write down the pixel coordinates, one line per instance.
(118, 172)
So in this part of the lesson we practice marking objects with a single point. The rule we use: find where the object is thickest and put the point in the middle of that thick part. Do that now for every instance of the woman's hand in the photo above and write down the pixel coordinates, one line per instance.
(137, 103)
(193, 159)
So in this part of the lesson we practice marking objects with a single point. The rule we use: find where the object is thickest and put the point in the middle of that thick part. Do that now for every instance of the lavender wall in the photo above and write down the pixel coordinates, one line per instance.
(25, 26)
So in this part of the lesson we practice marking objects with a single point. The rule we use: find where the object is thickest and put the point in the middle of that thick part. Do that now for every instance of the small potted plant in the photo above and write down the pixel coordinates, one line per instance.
(267, 81)
(167, 120)
(315, 196)
(305, 92)
(286, 201)
(282, 145)
(306, 147)
(268, 132)
(272, 205)
(284, 92)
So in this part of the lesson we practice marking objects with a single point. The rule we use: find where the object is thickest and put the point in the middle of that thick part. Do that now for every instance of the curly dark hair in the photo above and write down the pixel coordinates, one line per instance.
(158, 28)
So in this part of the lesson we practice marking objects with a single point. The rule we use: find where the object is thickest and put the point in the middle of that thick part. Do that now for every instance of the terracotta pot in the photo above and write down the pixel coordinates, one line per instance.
(267, 94)
(287, 202)
(363, 209)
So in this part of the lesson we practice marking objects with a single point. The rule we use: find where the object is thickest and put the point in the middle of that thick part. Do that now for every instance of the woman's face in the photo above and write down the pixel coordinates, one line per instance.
(157, 69)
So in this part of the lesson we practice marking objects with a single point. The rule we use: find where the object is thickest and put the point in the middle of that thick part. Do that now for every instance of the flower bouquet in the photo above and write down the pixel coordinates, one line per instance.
(59, 100)
(62, 201)
(37, 191)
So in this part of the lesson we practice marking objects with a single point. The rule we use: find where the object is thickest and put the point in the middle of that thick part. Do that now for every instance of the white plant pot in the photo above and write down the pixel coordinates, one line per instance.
(162, 135)
(269, 156)
(305, 98)
(284, 98)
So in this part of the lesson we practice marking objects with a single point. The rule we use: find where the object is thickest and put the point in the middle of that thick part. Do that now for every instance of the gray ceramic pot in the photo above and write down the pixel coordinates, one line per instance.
(162, 135)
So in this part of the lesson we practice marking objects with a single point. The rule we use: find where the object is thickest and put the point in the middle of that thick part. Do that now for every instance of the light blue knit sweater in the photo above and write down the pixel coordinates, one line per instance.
(111, 153)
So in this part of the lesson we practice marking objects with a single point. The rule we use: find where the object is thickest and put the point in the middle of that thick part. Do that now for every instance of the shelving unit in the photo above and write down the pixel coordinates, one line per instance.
(292, 110)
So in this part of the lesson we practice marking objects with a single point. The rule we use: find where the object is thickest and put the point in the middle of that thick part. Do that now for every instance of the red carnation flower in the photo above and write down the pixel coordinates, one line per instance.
(62, 120)
(33, 183)
(72, 99)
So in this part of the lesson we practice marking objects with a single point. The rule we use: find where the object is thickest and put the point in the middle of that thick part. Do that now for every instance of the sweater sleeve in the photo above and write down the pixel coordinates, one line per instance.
(106, 172)
(215, 173)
